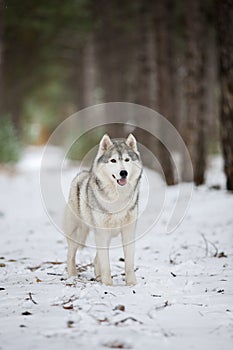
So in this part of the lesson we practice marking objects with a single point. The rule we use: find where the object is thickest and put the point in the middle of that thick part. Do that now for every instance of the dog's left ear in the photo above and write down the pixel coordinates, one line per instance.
(132, 143)
(105, 143)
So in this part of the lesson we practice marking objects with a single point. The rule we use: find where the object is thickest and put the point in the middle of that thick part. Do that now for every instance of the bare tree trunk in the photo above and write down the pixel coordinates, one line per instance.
(163, 13)
(211, 92)
(89, 73)
(225, 43)
(142, 83)
(83, 80)
(201, 146)
(112, 39)
(143, 29)
(1, 58)
(115, 40)
(191, 84)
(195, 124)
(77, 76)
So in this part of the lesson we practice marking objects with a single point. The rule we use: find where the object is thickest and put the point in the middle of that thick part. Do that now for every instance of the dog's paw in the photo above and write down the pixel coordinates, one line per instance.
(106, 280)
(131, 280)
(98, 278)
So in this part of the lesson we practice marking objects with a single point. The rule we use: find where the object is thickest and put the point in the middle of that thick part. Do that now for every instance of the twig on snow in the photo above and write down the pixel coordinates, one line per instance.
(70, 300)
(206, 245)
(165, 304)
(31, 298)
(126, 319)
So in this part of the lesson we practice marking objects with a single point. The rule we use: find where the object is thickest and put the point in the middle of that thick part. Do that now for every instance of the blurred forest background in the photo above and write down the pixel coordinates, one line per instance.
(176, 57)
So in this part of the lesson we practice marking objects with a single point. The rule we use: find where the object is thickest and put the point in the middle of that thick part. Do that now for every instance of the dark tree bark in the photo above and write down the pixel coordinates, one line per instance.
(224, 15)
(162, 24)
(1, 58)
(143, 93)
(89, 73)
(110, 42)
(113, 33)
(143, 28)
(78, 76)
(201, 146)
(10, 87)
(194, 130)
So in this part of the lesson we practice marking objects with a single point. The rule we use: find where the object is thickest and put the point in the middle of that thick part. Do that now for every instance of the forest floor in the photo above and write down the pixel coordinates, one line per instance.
(183, 298)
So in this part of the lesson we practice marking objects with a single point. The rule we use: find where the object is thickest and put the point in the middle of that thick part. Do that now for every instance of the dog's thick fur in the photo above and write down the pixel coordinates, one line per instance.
(105, 199)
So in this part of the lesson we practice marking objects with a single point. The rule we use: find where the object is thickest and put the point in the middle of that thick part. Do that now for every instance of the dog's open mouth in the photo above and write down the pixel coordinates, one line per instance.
(122, 181)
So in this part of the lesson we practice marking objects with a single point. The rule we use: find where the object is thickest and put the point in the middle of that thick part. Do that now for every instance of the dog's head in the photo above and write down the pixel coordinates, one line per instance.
(119, 160)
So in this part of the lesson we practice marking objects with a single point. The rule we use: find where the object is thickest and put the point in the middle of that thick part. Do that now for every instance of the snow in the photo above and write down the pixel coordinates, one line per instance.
(183, 298)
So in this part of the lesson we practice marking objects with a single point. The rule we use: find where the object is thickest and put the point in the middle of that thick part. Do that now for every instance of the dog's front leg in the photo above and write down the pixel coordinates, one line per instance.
(102, 238)
(128, 238)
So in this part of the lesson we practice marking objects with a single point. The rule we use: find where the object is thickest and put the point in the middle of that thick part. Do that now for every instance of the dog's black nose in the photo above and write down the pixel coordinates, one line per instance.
(123, 173)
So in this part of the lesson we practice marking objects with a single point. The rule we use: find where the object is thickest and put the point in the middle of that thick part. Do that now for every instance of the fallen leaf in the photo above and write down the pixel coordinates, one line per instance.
(2, 265)
(119, 307)
(70, 324)
(34, 268)
(38, 280)
(103, 320)
(68, 307)
(222, 255)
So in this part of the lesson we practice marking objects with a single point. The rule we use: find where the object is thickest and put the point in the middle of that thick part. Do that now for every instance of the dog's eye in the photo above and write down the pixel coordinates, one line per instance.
(113, 160)
(127, 160)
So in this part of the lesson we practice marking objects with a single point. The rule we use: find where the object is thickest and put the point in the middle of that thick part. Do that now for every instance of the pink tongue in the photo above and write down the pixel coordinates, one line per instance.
(121, 182)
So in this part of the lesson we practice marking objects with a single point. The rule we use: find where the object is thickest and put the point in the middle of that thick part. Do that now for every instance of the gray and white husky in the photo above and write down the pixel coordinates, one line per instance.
(105, 199)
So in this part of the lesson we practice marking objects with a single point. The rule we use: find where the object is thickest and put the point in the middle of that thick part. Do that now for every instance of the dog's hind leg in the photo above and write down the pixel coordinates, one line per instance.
(76, 234)
(76, 241)
(70, 231)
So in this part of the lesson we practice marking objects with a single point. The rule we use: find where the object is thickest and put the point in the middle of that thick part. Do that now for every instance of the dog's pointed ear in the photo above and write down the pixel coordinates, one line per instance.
(132, 143)
(105, 143)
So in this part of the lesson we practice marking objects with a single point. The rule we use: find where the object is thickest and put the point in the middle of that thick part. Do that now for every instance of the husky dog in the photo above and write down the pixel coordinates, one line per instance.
(105, 199)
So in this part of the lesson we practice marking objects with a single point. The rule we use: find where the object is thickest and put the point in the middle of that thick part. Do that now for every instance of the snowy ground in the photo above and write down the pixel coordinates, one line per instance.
(184, 295)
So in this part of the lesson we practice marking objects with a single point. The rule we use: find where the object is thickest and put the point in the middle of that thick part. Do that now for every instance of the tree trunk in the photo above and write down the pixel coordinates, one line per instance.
(225, 43)
(201, 146)
(1, 59)
(194, 131)
(113, 29)
(89, 73)
(163, 13)
(142, 89)
(143, 26)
